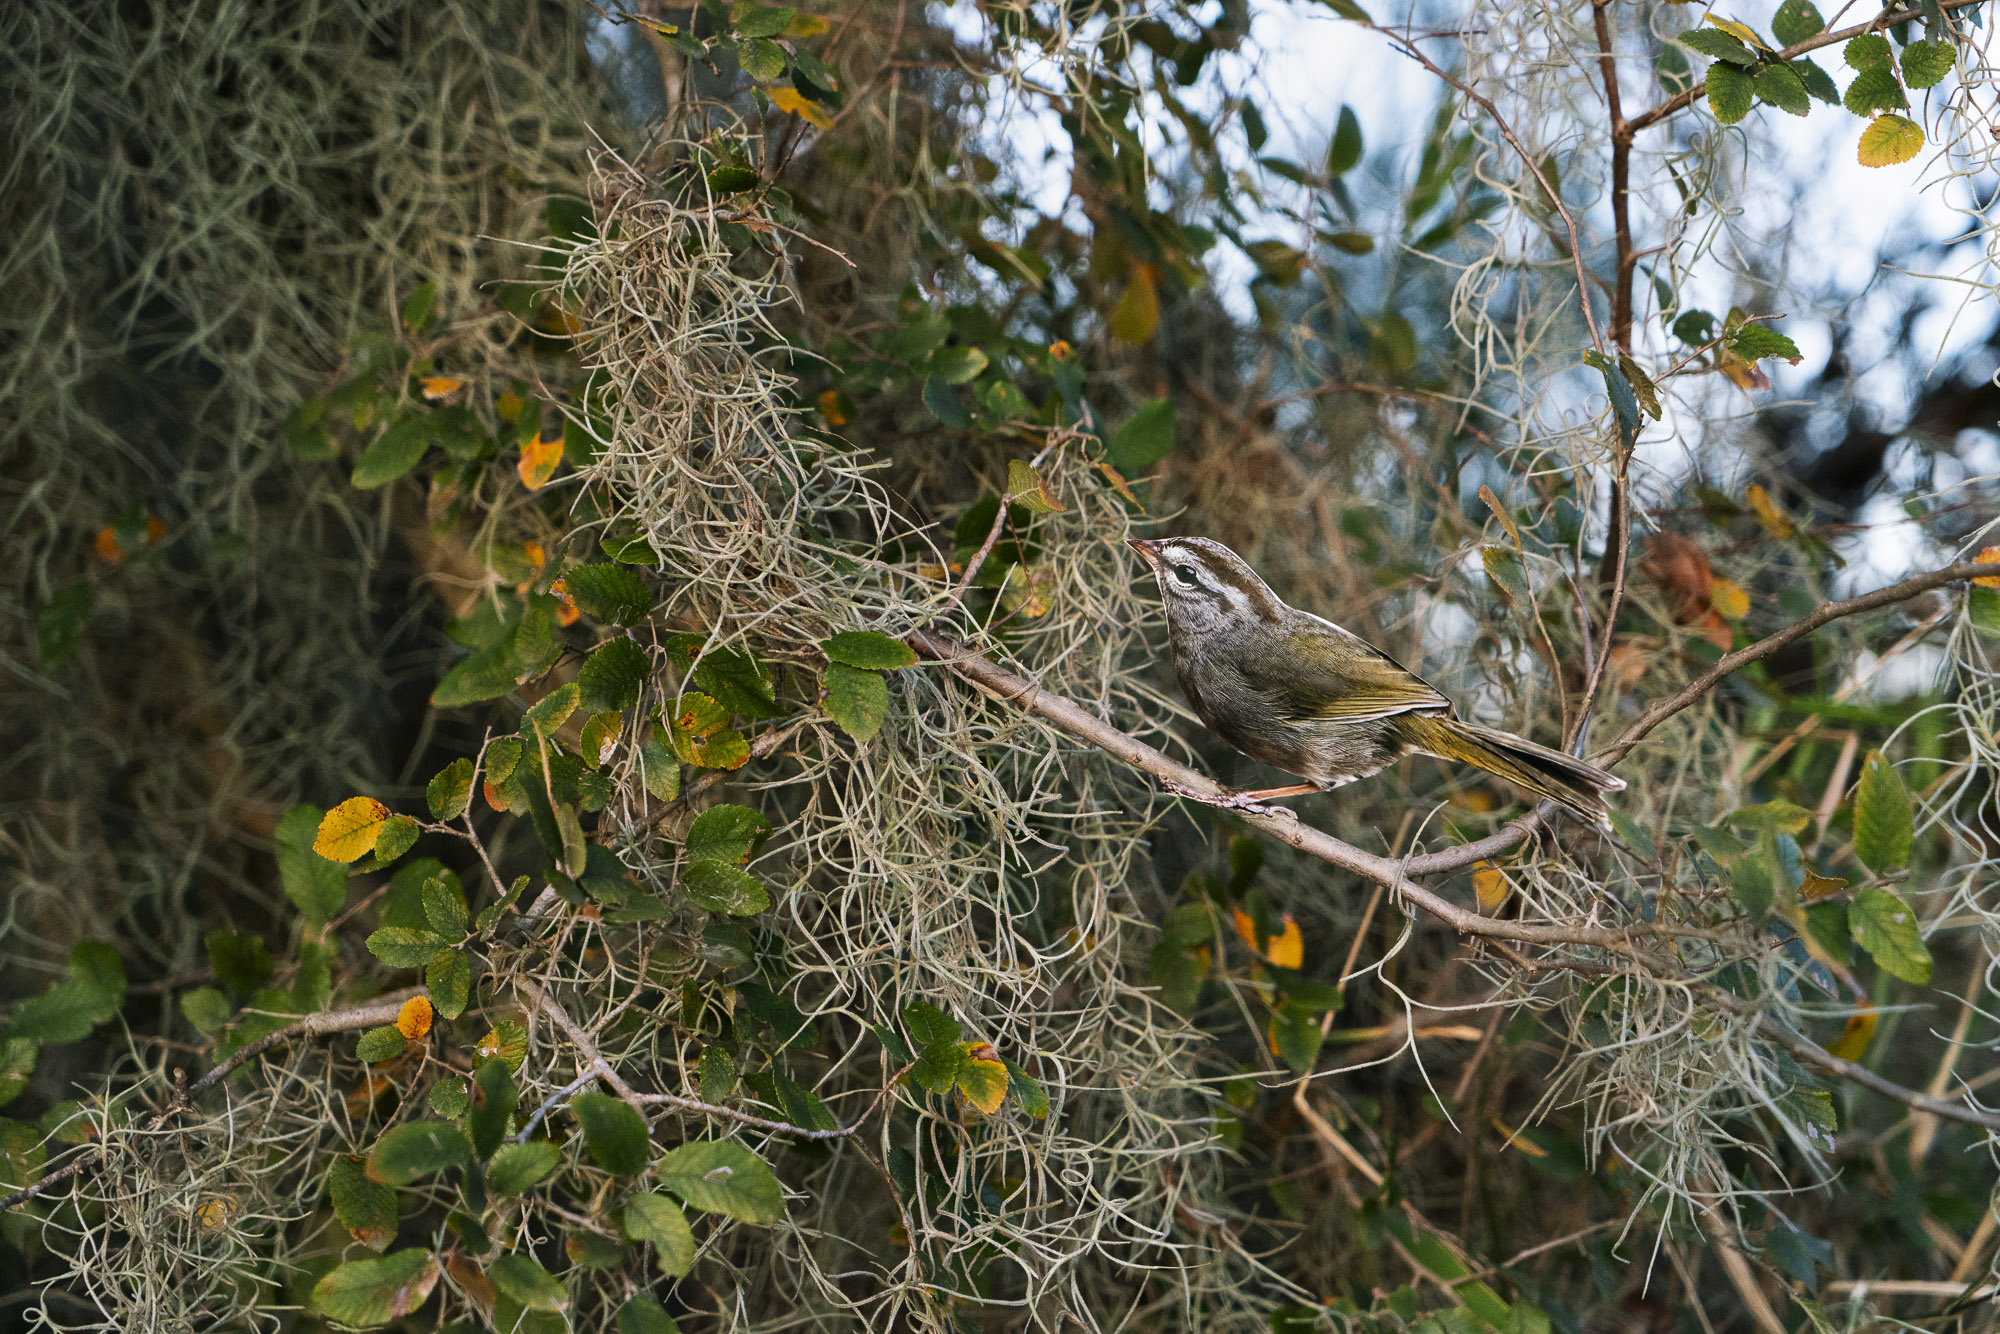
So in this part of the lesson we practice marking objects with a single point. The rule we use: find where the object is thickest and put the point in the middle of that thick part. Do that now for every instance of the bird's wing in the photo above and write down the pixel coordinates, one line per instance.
(1368, 685)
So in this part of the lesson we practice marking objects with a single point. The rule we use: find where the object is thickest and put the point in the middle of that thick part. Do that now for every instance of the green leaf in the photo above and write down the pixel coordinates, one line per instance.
(1344, 153)
(1146, 437)
(1926, 63)
(733, 180)
(317, 887)
(1884, 830)
(928, 1024)
(725, 833)
(944, 404)
(1504, 568)
(593, 1250)
(494, 1099)
(1780, 86)
(611, 677)
(373, 1292)
(1867, 51)
(91, 993)
(936, 1069)
(520, 1277)
(609, 592)
(1816, 81)
(448, 982)
(444, 907)
(1750, 882)
(516, 1168)
(394, 452)
(551, 711)
(723, 1177)
(59, 624)
(380, 1044)
(1028, 1091)
(762, 60)
(614, 1133)
(1795, 21)
(1718, 46)
(398, 834)
(1754, 342)
(657, 1219)
(417, 313)
(449, 1098)
(1888, 141)
(856, 700)
(242, 962)
(761, 20)
(204, 1007)
(1729, 93)
(367, 1209)
(1874, 89)
(475, 679)
(407, 947)
(867, 650)
(957, 365)
(720, 887)
(642, 1315)
(716, 1072)
(450, 792)
(732, 678)
(1886, 926)
(417, 1149)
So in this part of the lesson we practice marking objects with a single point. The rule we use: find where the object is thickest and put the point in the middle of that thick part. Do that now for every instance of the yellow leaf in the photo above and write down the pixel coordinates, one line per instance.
(1889, 140)
(798, 104)
(698, 715)
(1118, 484)
(1775, 520)
(806, 25)
(1819, 887)
(1990, 556)
(1030, 490)
(350, 829)
(982, 1077)
(1500, 513)
(509, 405)
(1061, 350)
(1729, 599)
(1742, 32)
(438, 387)
(1489, 883)
(539, 458)
(1137, 314)
(1286, 947)
(1852, 1044)
(414, 1019)
(217, 1212)
(1026, 591)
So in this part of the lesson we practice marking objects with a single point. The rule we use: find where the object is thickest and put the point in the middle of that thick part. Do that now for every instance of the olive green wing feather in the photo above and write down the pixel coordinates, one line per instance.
(1326, 674)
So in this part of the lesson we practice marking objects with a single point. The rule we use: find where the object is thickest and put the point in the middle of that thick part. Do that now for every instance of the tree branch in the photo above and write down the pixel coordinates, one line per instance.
(1731, 663)
(1888, 18)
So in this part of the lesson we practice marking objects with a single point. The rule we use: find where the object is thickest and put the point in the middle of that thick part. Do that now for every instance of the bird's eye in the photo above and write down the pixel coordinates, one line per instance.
(1186, 574)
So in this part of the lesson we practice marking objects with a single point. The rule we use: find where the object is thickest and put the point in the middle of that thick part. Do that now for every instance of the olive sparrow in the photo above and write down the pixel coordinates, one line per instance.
(1303, 695)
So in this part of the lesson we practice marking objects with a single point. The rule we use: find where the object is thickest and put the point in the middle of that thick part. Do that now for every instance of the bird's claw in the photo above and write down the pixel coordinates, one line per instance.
(1229, 801)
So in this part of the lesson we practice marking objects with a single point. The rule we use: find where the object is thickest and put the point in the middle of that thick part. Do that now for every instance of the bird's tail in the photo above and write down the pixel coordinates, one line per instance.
(1567, 781)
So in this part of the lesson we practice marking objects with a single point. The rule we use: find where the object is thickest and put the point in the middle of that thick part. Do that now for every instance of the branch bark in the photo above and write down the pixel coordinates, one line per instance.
(1401, 875)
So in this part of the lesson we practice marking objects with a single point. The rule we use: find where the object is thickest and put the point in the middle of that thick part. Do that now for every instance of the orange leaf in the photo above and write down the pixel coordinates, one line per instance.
(829, 407)
(1852, 1044)
(1060, 349)
(1775, 520)
(493, 798)
(414, 1019)
(790, 99)
(1730, 599)
(1489, 883)
(539, 458)
(1681, 570)
(363, 1095)
(1989, 556)
(108, 548)
(436, 388)
(349, 830)
(1286, 949)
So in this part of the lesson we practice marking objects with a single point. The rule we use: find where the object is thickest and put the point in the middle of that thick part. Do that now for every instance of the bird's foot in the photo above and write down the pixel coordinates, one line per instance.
(1237, 801)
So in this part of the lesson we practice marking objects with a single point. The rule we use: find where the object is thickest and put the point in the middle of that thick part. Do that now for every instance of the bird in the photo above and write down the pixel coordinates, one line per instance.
(1299, 693)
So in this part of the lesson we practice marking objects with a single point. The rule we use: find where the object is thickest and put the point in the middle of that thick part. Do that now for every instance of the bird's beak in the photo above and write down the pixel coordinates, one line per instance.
(1146, 547)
